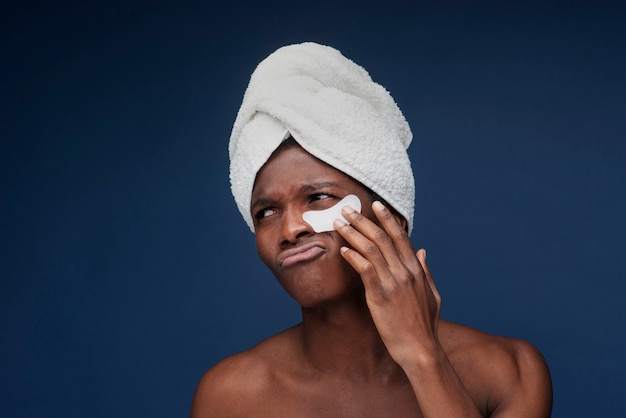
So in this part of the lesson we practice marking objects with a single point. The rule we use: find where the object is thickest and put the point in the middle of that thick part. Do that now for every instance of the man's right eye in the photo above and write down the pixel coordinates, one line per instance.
(264, 213)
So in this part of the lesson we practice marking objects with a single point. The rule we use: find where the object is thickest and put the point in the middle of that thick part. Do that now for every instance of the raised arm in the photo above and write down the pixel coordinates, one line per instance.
(405, 305)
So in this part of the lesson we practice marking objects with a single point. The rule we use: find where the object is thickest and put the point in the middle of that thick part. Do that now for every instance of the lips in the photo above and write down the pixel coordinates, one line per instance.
(300, 254)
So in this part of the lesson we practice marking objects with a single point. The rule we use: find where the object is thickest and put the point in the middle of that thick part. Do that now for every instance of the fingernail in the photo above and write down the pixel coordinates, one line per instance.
(348, 209)
(339, 223)
(378, 206)
(424, 253)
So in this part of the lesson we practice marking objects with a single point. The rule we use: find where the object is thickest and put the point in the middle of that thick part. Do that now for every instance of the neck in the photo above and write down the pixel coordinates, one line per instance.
(340, 338)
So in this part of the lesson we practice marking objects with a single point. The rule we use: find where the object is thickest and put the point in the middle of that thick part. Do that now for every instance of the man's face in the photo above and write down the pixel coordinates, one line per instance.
(307, 264)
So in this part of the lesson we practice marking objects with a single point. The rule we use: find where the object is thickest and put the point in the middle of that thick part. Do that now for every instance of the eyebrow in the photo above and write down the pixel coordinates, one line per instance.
(263, 201)
(306, 188)
(317, 186)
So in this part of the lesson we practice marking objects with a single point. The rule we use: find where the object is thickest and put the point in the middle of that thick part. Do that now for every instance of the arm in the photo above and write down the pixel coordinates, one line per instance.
(225, 390)
(210, 397)
(527, 386)
(405, 306)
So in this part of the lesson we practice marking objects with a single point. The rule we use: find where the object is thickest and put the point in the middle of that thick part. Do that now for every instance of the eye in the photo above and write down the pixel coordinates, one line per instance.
(320, 196)
(264, 213)
(320, 201)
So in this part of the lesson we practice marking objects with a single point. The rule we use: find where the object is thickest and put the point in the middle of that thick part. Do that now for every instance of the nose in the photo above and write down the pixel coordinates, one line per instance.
(293, 226)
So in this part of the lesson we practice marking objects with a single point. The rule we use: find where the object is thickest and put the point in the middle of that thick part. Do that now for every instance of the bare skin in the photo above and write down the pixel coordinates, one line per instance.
(371, 343)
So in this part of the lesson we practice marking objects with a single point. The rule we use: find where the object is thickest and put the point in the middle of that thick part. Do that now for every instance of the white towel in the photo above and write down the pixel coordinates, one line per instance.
(334, 110)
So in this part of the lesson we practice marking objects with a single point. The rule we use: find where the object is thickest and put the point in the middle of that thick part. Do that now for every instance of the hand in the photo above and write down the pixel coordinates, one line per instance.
(400, 292)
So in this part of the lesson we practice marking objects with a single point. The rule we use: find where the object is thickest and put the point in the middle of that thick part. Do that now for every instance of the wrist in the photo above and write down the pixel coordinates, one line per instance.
(424, 360)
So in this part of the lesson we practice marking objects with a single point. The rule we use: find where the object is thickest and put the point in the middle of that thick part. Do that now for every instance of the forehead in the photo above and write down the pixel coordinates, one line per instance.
(293, 167)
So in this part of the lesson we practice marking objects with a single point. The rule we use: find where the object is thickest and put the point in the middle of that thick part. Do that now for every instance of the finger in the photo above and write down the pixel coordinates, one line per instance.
(397, 232)
(383, 273)
(365, 269)
(367, 250)
(421, 256)
(375, 236)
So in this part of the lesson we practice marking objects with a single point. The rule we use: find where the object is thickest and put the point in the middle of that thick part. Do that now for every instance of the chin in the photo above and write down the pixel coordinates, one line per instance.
(312, 287)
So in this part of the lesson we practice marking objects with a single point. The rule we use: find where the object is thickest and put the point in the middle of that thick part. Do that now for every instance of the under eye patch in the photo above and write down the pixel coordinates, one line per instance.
(322, 220)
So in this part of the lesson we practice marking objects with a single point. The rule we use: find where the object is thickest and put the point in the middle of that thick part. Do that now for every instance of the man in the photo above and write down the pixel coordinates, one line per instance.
(313, 128)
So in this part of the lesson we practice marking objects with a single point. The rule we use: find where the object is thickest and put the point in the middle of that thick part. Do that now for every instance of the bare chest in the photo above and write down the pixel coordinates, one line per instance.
(330, 399)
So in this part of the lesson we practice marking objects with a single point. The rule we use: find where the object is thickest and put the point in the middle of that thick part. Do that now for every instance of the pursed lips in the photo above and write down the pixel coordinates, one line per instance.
(304, 252)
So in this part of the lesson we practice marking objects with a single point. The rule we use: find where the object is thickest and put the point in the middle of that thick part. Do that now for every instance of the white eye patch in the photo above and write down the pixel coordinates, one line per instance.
(322, 220)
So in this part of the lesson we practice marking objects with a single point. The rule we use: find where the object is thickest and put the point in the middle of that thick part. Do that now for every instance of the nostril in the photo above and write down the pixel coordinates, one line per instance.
(292, 236)
(303, 233)
(294, 226)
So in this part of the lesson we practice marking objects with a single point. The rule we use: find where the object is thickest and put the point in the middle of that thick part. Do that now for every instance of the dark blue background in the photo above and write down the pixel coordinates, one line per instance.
(126, 270)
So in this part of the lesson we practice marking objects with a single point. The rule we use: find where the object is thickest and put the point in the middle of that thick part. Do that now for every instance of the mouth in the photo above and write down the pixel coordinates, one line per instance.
(300, 254)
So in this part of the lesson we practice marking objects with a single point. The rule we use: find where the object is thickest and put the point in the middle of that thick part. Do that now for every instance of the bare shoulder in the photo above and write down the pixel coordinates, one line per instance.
(237, 384)
(509, 375)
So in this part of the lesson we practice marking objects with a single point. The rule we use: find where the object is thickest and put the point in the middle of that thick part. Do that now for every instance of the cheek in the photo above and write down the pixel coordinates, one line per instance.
(263, 250)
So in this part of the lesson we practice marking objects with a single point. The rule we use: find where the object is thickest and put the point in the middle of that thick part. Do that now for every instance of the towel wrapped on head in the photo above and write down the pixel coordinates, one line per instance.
(334, 110)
